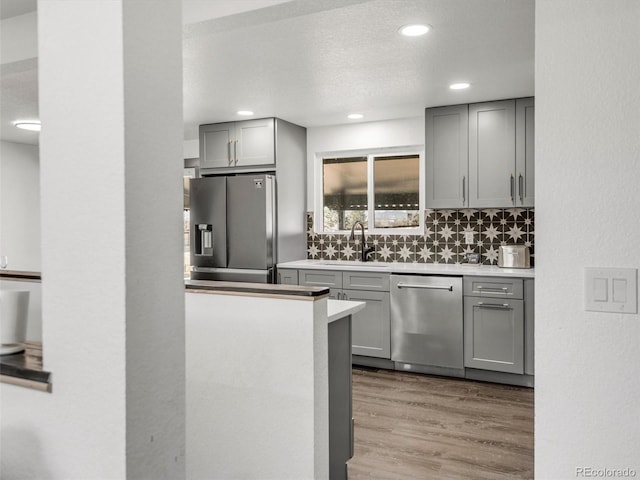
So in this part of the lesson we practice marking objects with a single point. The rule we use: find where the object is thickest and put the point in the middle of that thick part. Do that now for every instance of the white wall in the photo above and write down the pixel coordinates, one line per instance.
(357, 136)
(113, 301)
(587, 214)
(20, 205)
(18, 38)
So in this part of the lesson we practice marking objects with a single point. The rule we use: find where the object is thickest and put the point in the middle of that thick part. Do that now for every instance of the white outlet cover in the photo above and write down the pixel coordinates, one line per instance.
(468, 238)
(613, 290)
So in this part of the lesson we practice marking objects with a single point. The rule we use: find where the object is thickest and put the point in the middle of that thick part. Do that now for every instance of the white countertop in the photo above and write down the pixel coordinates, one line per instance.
(419, 268)
(337, 309)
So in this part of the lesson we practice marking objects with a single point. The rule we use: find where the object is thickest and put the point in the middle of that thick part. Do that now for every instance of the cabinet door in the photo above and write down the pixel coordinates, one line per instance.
(371, 327)
(255, 143)
(216, 144)
(492, 150)
(525, 154)
(447, 156)
(494, 335)
(288, 276)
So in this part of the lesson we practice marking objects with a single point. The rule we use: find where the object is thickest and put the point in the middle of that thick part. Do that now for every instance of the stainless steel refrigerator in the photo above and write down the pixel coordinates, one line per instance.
(232, 228)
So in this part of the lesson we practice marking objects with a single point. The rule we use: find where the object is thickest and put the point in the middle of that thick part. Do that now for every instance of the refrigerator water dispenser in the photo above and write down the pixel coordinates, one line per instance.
(204, 241)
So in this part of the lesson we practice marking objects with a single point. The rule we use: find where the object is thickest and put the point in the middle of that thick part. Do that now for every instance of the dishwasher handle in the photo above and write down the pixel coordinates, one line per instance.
(426, 287)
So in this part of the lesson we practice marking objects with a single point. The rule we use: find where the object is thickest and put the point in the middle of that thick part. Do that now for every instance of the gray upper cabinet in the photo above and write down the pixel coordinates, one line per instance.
(446, 134)
(480, 155)
(525, 152)
(237, 144)
(492, 176)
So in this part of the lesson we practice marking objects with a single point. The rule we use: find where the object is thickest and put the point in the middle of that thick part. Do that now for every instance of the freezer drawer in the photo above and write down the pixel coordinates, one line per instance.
(426, 321)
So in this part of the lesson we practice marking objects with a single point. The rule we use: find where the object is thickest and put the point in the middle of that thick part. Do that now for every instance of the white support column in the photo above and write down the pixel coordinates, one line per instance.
(110, 74)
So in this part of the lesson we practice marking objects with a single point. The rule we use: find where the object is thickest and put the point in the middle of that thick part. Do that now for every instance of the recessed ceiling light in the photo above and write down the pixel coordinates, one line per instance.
(458, 86)
(245, 113)
(32, 126)
(414, 30)
(355, 116)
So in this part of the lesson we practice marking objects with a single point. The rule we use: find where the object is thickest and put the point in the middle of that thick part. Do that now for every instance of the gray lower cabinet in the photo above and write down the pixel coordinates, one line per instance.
(529, 325)
(371, 327)
(494, 323)
(340, 398)
(288, 276)
(494, 335)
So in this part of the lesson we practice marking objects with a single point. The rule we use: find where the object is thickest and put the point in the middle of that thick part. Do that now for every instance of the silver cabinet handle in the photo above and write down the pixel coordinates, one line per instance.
(511, 187)
(521, 187)
(426, 287)
(229, 159)
(493, 289)
(235, 151)
(492, 305)
(464, 188)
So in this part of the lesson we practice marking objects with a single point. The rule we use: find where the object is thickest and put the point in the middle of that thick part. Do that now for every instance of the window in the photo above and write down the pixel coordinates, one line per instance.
(382, 191)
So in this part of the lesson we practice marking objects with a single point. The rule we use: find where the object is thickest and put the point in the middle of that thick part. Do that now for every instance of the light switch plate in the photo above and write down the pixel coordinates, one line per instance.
(612, 290)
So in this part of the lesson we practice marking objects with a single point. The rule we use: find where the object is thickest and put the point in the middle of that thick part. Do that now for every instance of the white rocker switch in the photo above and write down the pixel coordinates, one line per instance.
(600, 289)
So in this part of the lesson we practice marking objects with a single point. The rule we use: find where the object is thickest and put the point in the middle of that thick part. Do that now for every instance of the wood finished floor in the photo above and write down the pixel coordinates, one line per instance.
(413, 426)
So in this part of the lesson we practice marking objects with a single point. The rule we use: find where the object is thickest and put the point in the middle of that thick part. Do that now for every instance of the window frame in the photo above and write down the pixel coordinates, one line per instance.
(370, 154)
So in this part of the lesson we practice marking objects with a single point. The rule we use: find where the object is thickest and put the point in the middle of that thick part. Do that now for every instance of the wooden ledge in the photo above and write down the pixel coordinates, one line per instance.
(291, 292)
(15, 370)
(20, 275)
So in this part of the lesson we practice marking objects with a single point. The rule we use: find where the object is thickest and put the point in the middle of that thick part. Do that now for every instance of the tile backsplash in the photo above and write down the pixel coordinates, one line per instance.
(443, 240)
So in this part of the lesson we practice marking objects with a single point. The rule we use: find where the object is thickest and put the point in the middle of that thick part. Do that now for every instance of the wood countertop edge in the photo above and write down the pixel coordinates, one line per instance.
(26, 383)
(20, 275)
(256, 289)
(282, 296)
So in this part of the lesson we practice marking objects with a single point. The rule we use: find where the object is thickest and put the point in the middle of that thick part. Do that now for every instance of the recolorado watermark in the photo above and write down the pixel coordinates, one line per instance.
(605, 472)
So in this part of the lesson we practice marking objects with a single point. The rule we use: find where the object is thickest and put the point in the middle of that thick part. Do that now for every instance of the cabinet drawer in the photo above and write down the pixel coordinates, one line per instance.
(323, 278)
(366, 281)
(496, 287)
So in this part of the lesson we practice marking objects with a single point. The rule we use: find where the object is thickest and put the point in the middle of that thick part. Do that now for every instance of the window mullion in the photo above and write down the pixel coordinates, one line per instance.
(370, 194)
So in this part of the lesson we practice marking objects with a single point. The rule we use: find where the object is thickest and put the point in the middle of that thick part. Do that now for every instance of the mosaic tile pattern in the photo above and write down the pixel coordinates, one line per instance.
(443, 240)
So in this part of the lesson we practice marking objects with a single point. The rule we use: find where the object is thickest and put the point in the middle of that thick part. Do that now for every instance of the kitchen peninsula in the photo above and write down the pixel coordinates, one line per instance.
(261, 373)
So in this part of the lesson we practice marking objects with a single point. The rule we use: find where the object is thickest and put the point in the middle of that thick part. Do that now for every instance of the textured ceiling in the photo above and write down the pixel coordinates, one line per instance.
(314, 61)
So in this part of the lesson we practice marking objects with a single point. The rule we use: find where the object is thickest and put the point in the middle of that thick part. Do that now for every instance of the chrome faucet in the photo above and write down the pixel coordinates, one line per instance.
(364, 251)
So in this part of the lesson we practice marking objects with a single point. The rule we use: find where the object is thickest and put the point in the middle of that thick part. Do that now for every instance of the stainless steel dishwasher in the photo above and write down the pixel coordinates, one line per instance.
(426, 324)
